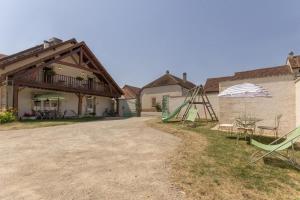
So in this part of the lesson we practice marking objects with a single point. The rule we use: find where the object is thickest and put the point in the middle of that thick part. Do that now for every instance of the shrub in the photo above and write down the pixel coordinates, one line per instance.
(158, 107)
(50, 72)
(6, 117)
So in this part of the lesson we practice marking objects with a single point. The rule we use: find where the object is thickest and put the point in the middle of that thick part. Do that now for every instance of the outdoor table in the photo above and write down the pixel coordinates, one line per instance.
(228, 127)
(246, 125)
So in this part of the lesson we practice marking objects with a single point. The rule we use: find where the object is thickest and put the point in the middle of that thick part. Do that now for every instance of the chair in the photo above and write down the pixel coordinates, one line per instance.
(277, 149)
(271, 128)
(245, 127)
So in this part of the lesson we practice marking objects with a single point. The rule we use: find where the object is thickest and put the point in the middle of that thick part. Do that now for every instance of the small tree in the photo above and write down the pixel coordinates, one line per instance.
(138, 106)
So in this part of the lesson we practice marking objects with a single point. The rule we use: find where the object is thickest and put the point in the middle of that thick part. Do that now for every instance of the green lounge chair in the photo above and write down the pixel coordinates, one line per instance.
(192, 115)
(277, 149)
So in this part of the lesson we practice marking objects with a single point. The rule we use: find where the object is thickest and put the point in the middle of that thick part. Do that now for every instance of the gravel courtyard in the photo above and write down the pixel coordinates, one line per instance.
(116, 159)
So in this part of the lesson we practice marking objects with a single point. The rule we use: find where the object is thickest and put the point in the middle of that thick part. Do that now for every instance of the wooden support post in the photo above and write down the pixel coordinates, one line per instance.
(79, 104)
(15, 98)
(80, 57)
(117, 106)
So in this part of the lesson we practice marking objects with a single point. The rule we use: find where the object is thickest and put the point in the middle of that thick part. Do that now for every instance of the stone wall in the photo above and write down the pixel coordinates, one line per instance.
(282, 89)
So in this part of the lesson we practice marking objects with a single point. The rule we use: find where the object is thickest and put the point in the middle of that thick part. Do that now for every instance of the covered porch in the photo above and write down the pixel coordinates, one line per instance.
(34, 103)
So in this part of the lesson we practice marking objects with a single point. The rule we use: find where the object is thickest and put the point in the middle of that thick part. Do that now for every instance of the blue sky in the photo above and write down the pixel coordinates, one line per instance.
(138, 40)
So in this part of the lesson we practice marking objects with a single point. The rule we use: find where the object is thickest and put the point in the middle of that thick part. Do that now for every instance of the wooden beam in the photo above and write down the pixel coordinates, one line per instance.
(62, 88)
(37, 53)
(73, 48)
(100, 71)
(117, 106)
(90, 61)
(77, 66)
(79, 104)
(74, 59)
(47, 63)
(15, 98)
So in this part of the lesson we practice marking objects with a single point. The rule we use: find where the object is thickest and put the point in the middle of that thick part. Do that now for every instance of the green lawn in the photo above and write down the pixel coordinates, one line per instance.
(220, 171)
(27, 124)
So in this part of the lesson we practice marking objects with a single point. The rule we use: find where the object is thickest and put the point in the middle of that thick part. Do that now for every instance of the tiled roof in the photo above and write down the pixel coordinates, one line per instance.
(130, 92)
(169, 79)
(2, 56)
(34, 51)
(29, 52)
(263, 72)
(212, 84)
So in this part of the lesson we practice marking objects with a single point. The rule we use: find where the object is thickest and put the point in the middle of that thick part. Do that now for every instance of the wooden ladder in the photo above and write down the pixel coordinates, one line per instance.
(208, 105)
(194, 95)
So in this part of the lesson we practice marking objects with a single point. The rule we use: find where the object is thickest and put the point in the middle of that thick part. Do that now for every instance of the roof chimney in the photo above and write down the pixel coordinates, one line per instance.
(51, 41)
(167, 72)
(184, 76)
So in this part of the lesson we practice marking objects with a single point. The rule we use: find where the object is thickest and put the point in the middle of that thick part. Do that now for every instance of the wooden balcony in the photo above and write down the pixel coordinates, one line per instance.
(64, 83)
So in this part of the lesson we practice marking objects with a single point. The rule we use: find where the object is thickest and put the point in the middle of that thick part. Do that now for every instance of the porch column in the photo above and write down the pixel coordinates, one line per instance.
(79, 104)
(117, 106)
(15, 98)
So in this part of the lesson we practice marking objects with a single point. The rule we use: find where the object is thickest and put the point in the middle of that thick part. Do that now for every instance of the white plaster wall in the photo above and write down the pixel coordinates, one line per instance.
(297, 99)
(158, 92)
(25, 104)
(281, 88)
(103, 103)
(72, 71)
(69, 104)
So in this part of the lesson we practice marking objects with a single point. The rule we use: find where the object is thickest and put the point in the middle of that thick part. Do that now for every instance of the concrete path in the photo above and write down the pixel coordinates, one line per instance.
(115, 160)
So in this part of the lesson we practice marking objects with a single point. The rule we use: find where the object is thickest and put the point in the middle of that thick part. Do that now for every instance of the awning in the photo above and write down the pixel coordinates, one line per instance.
(47, 96)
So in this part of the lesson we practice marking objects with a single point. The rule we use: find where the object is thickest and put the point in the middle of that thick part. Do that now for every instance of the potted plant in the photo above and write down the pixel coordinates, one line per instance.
(79, 78)
(50, 72)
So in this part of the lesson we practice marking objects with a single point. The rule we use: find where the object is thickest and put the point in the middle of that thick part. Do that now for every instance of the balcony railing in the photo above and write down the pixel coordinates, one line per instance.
(65, 82)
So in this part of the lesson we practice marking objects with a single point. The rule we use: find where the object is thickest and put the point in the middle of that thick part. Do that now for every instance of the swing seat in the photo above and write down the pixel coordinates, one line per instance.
(192, 114)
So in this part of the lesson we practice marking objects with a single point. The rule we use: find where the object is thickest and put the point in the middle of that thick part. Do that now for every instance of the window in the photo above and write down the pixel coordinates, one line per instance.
(45, 105)
(37, 105)
(50, 104)
(90, 104)
(153, 100)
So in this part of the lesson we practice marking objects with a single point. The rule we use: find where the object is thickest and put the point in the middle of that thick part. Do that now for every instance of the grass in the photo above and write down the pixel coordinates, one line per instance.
(210, 165)
(28, 124)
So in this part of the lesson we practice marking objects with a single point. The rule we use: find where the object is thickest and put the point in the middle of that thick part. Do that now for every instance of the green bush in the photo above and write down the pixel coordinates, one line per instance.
(6, 117)
(158, 107)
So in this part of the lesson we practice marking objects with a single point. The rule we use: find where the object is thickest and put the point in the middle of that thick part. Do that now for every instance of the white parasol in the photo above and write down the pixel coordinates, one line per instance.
(245, 90)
